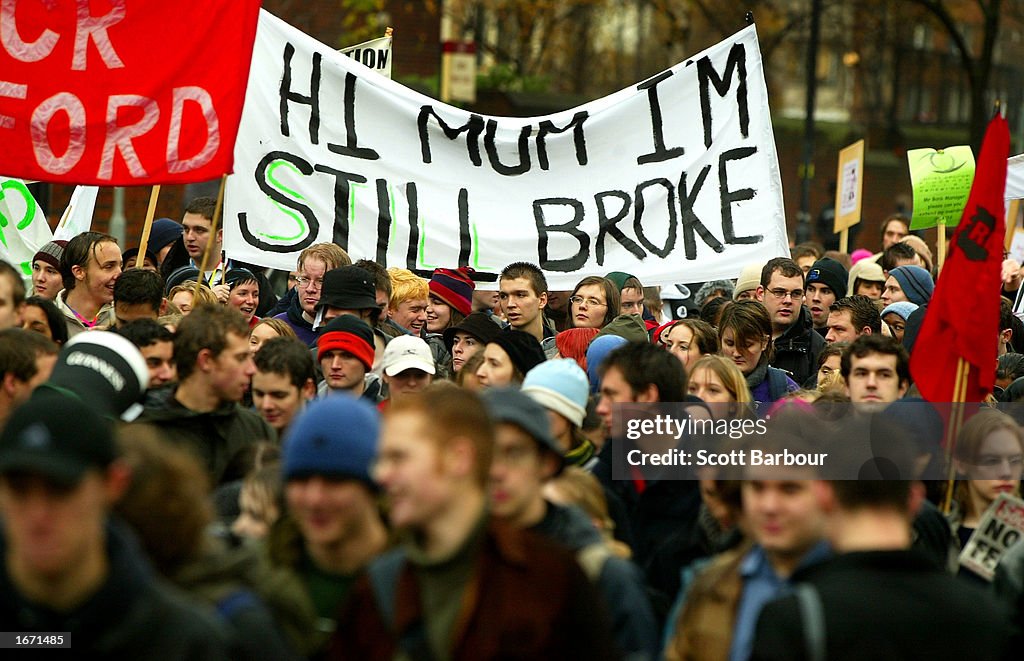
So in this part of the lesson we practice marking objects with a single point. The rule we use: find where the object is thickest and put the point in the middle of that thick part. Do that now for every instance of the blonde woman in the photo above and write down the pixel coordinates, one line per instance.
(185, 299)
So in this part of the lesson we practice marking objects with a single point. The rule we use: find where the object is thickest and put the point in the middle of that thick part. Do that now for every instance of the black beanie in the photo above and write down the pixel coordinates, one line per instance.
(830, 273)
(522, 348)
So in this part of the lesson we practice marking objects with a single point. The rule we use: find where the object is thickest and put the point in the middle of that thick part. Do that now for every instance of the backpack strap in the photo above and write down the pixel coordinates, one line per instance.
(812, 616)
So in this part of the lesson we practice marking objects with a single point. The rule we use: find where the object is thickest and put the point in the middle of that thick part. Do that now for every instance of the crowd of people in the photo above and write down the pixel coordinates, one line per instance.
(371, 464)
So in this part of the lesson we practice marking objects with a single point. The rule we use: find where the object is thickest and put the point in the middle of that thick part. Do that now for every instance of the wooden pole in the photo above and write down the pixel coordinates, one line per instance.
(956, 421)
(941, 227)
(213, 233)
(844, 240)
(147, 226)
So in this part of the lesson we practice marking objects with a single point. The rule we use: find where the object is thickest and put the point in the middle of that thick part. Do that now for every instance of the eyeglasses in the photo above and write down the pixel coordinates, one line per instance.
(780, 294)
(591, 302)
(305, 281)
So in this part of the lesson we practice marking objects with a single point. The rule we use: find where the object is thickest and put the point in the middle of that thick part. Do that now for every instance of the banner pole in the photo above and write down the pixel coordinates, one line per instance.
(844, 240)
(213, 232)
(941, 227)
(956, 420)
(147, 226)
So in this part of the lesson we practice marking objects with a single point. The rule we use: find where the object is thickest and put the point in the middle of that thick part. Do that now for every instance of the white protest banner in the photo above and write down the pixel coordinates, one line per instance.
(77, 218)
(1000, 528)
(1015, 177)
(374, 54)
(23, 227)
(675, 179)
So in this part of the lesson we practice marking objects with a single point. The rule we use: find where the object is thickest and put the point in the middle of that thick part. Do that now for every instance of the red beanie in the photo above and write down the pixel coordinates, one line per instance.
(573, 343)
(454, 287)
(349, 342)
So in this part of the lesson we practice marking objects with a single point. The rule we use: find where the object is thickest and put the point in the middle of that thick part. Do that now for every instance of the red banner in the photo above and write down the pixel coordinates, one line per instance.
(112, 92)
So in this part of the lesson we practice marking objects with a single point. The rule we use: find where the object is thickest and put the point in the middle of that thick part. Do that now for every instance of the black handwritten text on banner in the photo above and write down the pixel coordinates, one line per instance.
(674, 180)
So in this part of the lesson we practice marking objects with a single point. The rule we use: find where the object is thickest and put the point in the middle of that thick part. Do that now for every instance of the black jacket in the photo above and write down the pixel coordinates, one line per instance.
(215, 438)
(887, 605)
(131, 616)
(796, 350)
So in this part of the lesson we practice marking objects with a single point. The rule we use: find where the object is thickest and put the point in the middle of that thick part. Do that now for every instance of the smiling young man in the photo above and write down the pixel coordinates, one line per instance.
(876, 370)
(202, 413)
(797, 345)
(410, 297)
(285, 380)
(90, 267)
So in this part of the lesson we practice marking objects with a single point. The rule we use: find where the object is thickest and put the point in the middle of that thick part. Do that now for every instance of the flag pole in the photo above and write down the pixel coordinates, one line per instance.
(941, 227)
(213, 232)
(844, 240)
(956, 421)
(147, 226)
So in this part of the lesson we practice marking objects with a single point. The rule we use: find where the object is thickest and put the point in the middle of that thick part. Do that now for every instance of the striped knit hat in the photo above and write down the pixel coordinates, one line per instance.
(51, 253)
(454, 287)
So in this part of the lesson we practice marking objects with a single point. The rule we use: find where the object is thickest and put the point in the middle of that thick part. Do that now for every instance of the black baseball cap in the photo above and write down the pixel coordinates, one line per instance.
(57, 436)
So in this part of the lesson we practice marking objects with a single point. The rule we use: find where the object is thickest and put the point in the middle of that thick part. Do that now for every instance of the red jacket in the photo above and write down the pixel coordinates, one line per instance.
(527, 600)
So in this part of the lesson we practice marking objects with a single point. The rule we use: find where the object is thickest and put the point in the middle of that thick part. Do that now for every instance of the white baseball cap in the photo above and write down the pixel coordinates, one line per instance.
(407, 352)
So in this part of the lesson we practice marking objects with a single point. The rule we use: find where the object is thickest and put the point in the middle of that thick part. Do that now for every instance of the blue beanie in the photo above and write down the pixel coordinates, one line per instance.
(902, 308)
(916, 282)
(561, 386)
(334, 437)
(596, 353)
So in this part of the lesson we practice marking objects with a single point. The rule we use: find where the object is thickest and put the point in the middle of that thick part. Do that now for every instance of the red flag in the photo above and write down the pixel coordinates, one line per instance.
(122, 93)
(962, 320)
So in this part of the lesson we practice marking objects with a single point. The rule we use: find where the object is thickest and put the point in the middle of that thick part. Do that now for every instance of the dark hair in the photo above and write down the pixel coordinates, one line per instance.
(1010, 366)
(786, 266)
(868, 344)
(611, 297)
(17, 284)
(643, 364)
(749, 322)
(206, 327)
(833, 349)
(711, 311)
(873, 494)
(896, 252)
(1006, 315)
(202, 206)
(529, 271)
(40, 344)
(895, 216)
(140, 287)
(381, 279)
(862, 312)
(58, 327)
(18, 354)
(808, 249)
(77, 253)
(288, 356)
(144, 332)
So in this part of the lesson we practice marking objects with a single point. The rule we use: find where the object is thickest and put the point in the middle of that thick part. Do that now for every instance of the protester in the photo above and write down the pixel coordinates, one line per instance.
(1009, 368)
(895, 316)
(202, 412)
(450, 298)
(508, 358)
(260, 503)
(186, 296)
(894, 228)
(806, 254)
(348, 290)
(745, 337)
(989, 456)
(716, 380)
(433, 465)
(410, 297)
(714, 289)
(575, 487)
(138, 294)
(525, 456)
(345, 354)
(908, 283)
(826, 281)
(46, 270)
(95, 587)
(407, 367)
(593, 303)
(267, 329)
(332, 529)
(691, 339)
(156, 344)
(314, 262)
(284, 381)
(746, 284)
(468, 337)
(924, 253)
(162, 236)
(899, 254)
(878, 598)
(90, 266)
(850, 317)
(561, 387)
(796, 345)
(830, 377)
(197, 223)
(523, 297)
(630, 290)
(243, 293)
(876, 370)
(130, 259)
(21, 368)
(866, 279)
(711, 311)
(41, 316)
